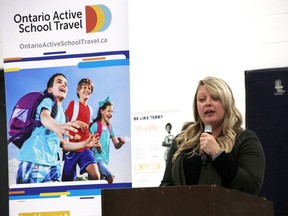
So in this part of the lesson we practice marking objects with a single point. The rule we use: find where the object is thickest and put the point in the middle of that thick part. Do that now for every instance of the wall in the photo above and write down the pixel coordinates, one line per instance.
(174, 44)
(3, 149)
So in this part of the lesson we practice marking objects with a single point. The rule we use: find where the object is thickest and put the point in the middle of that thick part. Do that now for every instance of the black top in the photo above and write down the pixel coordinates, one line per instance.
(241, 169)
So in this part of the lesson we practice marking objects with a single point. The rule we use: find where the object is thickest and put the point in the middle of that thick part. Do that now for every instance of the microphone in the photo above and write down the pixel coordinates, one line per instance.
(205, 157)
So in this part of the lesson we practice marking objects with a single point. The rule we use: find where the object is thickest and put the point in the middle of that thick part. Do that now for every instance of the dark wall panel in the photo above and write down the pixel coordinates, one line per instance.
(3, 151)
(267, 115)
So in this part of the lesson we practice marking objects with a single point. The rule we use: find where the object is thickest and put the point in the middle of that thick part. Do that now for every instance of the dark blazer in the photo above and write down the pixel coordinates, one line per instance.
(242, 169)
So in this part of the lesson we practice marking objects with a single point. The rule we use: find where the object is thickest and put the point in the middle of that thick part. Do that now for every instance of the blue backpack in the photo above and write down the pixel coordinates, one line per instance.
(22, 121)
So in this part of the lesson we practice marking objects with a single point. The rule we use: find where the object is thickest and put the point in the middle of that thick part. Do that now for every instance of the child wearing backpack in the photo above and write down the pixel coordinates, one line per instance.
(80, 111)
(39, 155)
(101, 126)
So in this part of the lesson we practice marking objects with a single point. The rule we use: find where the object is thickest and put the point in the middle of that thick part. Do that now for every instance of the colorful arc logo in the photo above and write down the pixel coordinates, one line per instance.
(98, 18)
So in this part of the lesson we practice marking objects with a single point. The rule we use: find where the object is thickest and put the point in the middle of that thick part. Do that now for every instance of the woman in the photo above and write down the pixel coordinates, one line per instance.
(235, 157)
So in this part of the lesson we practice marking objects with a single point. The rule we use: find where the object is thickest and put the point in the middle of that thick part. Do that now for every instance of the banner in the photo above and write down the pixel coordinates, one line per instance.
(80, 39)
(153, 132)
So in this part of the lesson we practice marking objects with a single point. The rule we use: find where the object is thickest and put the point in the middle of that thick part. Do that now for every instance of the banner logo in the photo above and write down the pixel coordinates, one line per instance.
(98, 18)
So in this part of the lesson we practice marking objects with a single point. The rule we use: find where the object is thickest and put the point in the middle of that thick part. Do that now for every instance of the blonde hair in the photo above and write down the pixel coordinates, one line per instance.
(188, 140)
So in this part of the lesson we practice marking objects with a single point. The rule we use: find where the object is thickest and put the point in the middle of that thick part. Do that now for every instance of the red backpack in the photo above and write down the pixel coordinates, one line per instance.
(99, 128)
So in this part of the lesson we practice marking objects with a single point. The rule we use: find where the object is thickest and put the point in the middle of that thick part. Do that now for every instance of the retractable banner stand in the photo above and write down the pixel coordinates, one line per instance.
(80, 39)
(266, 114)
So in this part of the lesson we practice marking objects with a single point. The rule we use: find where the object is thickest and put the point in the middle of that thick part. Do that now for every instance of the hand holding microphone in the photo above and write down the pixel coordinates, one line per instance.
(205, 157)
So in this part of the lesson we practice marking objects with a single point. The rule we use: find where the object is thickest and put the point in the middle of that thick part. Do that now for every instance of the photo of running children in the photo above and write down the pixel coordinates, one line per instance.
(35, 79)
(39, 159)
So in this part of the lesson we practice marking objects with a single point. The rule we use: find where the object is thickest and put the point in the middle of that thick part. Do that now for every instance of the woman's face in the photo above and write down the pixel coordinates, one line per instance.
(210, 107)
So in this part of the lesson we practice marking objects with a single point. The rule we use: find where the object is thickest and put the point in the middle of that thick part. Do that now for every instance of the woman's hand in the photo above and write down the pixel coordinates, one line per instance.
(208, 144)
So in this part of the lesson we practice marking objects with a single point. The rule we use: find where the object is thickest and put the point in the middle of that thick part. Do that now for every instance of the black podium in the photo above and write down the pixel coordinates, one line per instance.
(209, 200)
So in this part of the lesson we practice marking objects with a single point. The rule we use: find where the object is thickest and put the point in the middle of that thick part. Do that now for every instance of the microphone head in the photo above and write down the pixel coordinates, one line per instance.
(208, 129)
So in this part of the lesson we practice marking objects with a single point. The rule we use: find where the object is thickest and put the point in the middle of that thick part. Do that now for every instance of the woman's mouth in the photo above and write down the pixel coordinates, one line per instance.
(207, 112)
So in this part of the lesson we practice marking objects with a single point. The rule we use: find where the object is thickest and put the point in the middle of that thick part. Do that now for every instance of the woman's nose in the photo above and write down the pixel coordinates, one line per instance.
(208, 102)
